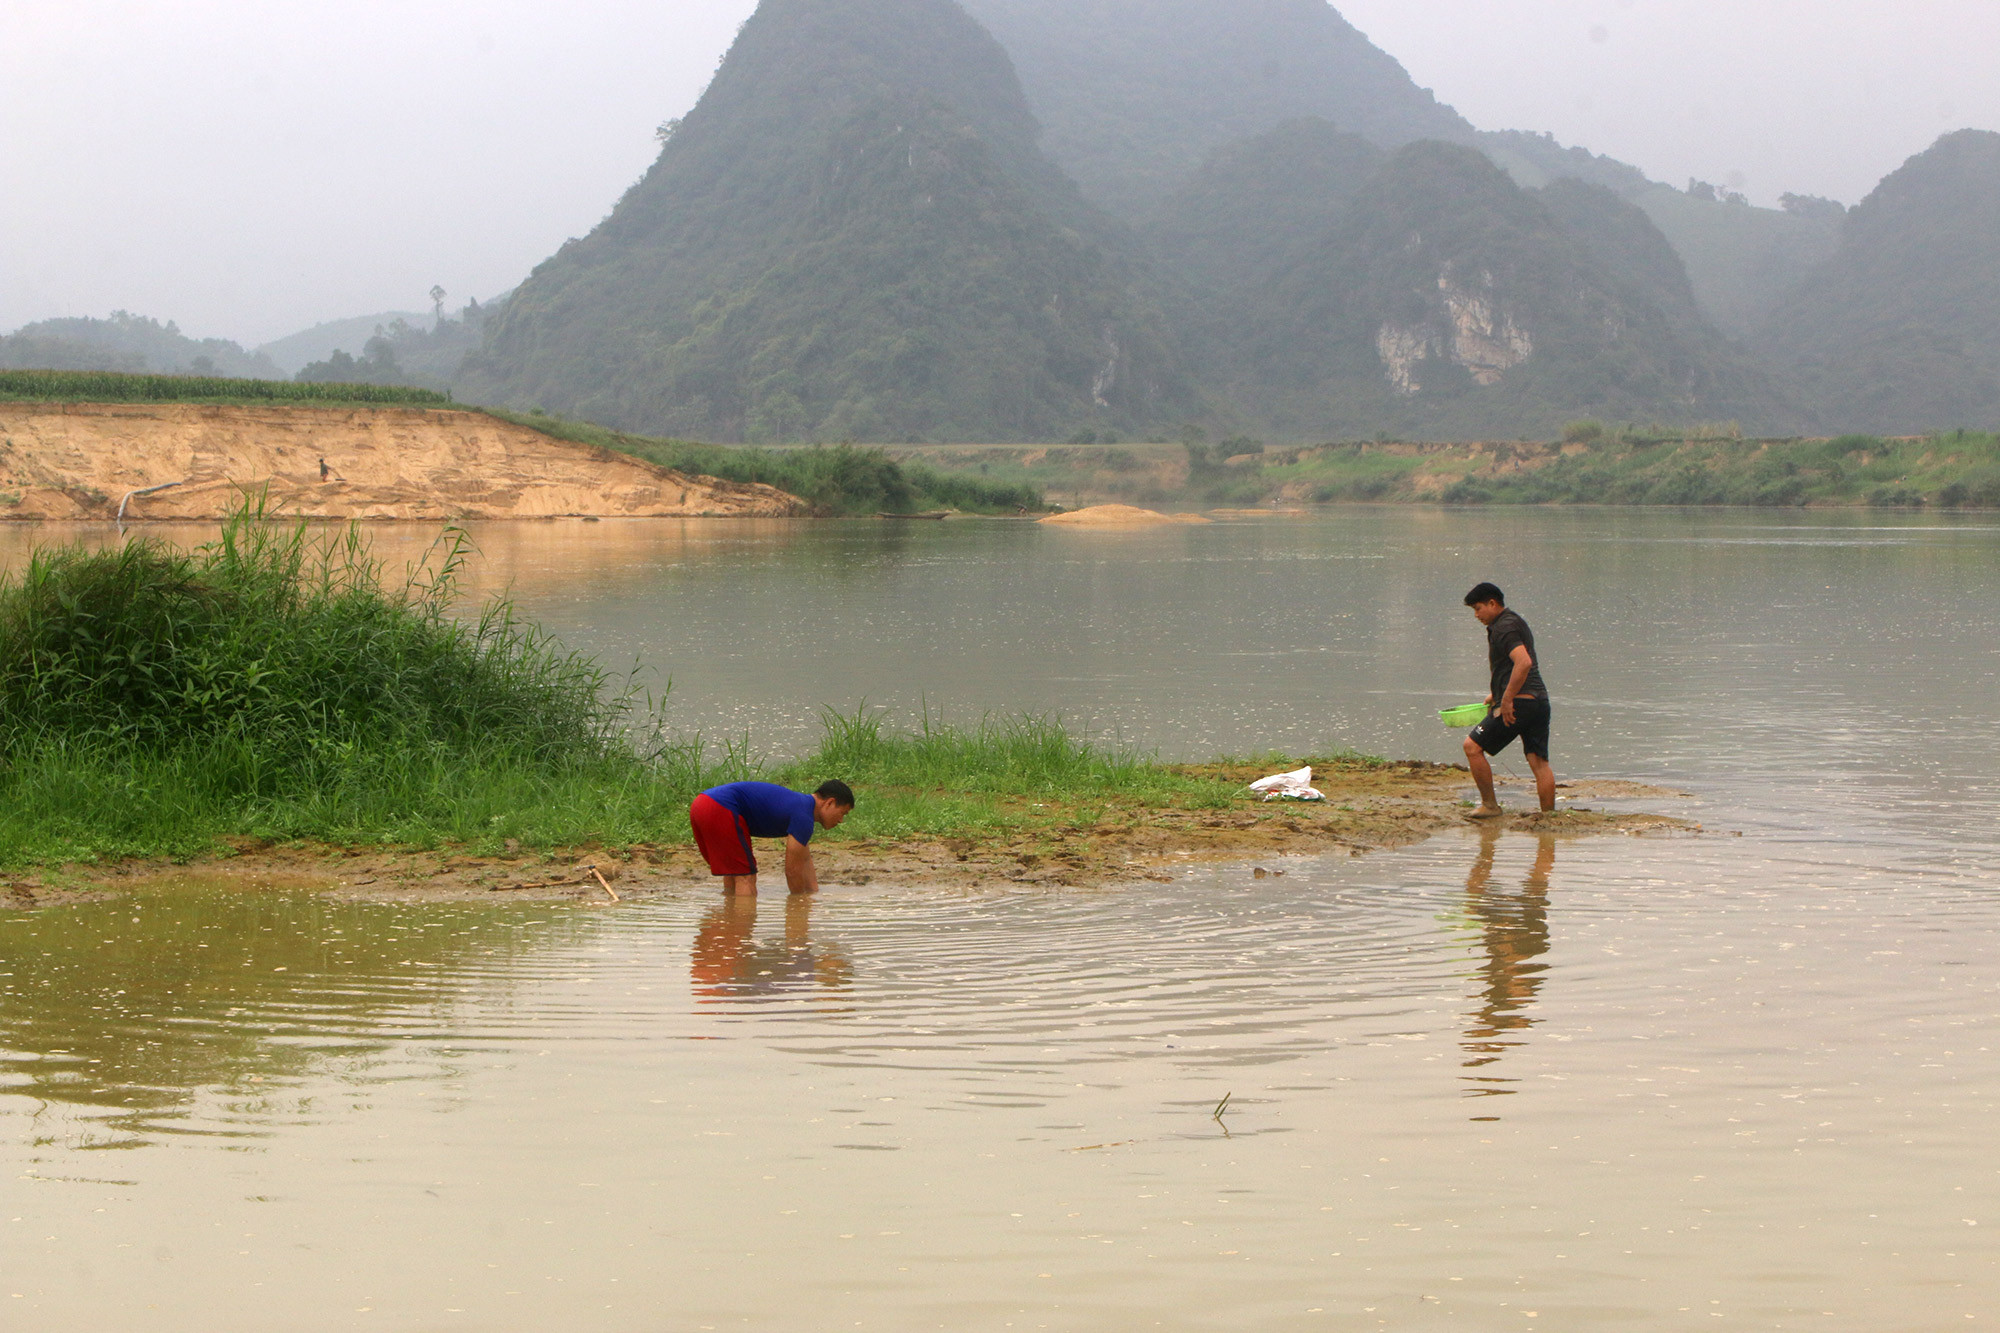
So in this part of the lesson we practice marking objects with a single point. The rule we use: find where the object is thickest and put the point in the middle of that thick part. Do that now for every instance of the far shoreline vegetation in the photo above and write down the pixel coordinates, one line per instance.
(1592, 463)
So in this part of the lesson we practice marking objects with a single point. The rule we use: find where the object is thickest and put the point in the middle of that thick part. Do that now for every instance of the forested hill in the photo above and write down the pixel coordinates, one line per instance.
(1135, 94)
(1425, 293)
(852, 235)
(128, 343)
(1900, 331)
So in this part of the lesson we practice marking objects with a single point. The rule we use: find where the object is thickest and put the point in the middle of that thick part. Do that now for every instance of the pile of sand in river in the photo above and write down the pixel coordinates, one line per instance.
(80, 460)
(1119, 516)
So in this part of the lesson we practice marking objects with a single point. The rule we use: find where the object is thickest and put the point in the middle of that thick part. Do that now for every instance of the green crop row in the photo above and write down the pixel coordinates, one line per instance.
(105, 386)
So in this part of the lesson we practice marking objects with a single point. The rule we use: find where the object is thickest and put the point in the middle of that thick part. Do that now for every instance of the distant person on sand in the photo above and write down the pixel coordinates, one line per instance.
(1519, 700)
(725, 819)
(324, 470)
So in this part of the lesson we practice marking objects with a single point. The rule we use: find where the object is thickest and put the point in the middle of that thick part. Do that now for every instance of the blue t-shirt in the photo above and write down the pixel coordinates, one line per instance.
(771, 811)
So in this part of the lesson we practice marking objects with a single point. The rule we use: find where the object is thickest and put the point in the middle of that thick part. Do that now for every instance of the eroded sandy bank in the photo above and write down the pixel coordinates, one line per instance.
(80, 461)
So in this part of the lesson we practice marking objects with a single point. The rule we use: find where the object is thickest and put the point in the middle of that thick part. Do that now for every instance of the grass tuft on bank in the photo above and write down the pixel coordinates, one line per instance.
(279, 686)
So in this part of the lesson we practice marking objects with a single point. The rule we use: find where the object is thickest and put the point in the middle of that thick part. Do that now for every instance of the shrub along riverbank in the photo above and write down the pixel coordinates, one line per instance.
(839, 480)
(1958, 470)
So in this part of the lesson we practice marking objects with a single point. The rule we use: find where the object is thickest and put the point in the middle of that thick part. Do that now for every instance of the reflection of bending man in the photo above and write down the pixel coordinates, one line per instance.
(1515, 934)
(726, 818)
(728, 960)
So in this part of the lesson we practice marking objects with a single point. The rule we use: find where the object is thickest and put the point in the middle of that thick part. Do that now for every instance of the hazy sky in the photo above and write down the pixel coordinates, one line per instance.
(251, 167)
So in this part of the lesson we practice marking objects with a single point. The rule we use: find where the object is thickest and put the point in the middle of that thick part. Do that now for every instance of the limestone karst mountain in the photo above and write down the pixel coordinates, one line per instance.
(1424, 292)
(853, 235)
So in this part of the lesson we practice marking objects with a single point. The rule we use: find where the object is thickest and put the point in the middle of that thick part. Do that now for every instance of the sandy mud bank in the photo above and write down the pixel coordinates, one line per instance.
(1370, 807)
(77, 461)
(1119, 516)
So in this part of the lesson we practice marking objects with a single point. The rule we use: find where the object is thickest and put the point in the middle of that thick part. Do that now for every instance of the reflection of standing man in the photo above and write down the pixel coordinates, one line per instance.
(1515, 932)
(1519, 699)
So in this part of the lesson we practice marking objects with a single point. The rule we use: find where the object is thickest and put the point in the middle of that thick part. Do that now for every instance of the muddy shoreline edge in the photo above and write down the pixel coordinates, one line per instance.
(1370, 807)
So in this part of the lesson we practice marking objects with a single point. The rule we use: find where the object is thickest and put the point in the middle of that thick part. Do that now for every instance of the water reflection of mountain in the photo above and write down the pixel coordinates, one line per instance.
(141, 1005)
(731, 963)
(1514, 933)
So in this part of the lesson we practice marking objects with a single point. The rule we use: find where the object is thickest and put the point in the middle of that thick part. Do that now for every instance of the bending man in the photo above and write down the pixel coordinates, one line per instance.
(1518, 697)
(725, 819)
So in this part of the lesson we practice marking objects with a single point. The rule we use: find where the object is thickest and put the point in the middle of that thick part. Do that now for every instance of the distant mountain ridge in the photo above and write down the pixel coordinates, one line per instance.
(130, 343)
(1900, 330)
(1135, 94)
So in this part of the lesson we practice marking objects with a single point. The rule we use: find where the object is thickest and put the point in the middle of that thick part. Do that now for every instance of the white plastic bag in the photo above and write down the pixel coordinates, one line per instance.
(1293, 786)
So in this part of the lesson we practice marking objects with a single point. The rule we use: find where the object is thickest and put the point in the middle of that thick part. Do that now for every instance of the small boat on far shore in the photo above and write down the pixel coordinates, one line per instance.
(934, 516)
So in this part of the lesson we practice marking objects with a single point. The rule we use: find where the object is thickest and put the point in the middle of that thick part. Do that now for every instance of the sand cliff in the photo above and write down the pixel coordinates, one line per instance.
(81, 460)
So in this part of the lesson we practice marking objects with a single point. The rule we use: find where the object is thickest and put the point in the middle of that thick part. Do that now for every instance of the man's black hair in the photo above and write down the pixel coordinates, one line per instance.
(1485, 592)
(837, 791)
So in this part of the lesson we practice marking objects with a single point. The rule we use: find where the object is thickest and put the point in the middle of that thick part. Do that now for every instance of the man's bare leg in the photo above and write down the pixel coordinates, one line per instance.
(740, 886)
(1545, 782)
(1482, 776)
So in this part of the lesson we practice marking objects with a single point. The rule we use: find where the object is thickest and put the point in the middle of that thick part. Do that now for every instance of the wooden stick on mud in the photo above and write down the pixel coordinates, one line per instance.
(606, 887)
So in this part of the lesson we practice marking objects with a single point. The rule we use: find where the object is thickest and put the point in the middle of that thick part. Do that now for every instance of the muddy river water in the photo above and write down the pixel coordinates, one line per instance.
(1746, 1079)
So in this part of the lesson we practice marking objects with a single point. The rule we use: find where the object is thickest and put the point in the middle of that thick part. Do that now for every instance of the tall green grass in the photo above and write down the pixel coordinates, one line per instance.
(276, 684)
(105, 386)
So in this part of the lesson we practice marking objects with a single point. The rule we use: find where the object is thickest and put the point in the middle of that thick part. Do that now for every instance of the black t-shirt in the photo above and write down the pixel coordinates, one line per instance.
(1507, 632)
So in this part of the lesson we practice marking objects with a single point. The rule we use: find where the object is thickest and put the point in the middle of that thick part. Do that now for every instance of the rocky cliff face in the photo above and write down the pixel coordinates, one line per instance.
(1467, 329)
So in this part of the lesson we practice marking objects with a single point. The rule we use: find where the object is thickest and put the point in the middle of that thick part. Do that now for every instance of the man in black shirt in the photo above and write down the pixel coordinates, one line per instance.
(1519, 700)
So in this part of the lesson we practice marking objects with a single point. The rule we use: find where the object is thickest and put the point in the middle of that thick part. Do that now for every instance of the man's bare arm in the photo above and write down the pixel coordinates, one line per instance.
(1524, 662)
(801, 875)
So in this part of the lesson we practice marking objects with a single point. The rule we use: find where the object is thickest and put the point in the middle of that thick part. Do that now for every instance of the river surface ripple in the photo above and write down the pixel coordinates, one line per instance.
(1492, 1081)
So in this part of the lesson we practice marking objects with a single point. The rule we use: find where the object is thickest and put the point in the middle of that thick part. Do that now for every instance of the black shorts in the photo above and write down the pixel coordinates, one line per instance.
(1531, 727)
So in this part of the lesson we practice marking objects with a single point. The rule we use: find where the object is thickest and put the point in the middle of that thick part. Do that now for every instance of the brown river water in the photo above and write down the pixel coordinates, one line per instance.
(1745, 1079)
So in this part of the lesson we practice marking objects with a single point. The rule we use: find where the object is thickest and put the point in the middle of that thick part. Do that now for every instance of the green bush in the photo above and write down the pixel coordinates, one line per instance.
(273, 684)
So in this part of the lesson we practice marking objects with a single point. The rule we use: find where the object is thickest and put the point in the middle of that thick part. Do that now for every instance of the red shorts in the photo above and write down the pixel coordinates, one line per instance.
(722, 836)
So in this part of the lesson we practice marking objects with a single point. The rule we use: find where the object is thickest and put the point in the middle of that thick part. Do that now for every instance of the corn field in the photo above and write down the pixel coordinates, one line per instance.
(103, 386)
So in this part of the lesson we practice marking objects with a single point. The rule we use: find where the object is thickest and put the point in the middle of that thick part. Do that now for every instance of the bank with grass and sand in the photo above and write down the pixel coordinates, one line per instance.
(100, 445)
(276, 703)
